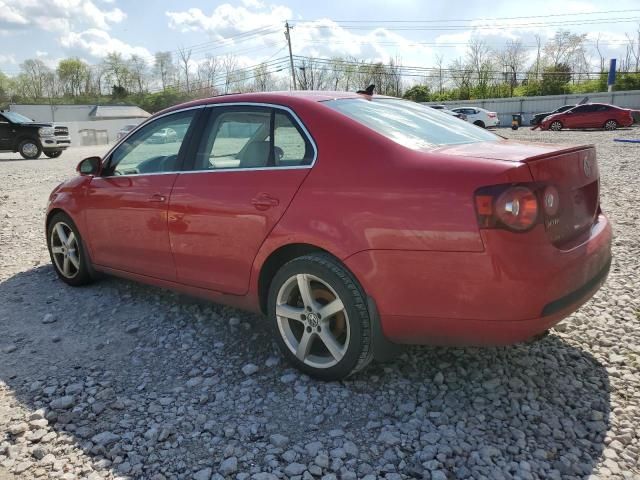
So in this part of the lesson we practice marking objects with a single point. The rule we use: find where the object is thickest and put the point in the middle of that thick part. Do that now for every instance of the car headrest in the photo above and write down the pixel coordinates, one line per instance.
(255, 154)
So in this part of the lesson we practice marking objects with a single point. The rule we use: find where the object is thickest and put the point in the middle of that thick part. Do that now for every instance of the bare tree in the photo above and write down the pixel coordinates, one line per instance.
(312, 74)
(185, 57)
(513, 58)
(164, 68)
(229, 67)
(207, 73)
(36, 78)
(479, 60)
(262, 79)
(138, 68)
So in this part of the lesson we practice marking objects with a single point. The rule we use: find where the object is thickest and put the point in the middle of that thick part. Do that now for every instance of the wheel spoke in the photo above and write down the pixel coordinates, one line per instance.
(57, 250)
(305, 345)
(66, 266)
(304, 285)
(335, 349)
(71, 240)
(331, 309)
(75, 261)
(61, 234)
(287, 311)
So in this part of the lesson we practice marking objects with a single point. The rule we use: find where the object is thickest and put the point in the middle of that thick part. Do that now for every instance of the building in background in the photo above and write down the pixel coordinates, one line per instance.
(88, 124)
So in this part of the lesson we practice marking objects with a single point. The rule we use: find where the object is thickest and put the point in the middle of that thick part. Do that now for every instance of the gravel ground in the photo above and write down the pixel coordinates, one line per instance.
(120, 380)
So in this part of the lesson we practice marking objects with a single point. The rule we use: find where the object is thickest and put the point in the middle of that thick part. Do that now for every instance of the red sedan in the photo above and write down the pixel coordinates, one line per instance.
(353, 222)
(589, 115)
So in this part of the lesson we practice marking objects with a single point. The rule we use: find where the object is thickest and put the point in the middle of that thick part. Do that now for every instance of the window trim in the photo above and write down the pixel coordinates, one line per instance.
(301, 127)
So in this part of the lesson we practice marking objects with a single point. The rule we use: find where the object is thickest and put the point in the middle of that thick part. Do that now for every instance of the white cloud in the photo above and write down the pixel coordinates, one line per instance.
(227, 20)
(98, 43)
(11, 59)
(56, 15)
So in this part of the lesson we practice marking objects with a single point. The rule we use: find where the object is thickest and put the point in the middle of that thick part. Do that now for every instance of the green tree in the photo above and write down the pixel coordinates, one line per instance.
(73, 75)
(555, 79)
(418, 93)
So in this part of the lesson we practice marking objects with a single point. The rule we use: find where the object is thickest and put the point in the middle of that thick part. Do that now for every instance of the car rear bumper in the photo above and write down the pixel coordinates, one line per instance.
(508, 293)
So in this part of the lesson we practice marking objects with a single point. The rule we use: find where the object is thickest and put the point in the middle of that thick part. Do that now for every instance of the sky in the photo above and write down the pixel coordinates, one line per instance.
(413, 32)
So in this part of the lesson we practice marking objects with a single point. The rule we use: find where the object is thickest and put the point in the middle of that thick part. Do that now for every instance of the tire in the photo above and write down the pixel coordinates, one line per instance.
(556, 126)
(610, 125)
(479, 123)
(29, 149)
(337, 345)
(75, 273)
(53, 154)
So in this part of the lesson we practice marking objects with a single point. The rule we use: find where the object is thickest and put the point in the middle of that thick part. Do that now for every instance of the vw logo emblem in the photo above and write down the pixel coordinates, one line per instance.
(587, 167)
(313, 319)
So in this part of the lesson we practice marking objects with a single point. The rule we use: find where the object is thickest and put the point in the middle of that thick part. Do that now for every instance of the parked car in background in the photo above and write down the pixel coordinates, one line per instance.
(444, 109)
(479, 116)
(589, 115)
(346, 219)
(538, 117)
(125, 130)
(166, 135)
(30, 139)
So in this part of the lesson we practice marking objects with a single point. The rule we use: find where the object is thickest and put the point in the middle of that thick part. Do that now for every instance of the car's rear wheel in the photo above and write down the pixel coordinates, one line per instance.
(555, 126)
(29, 149)
(610, 125)
(53, 154)
(319, 317)
(479, 123)
(67, 251)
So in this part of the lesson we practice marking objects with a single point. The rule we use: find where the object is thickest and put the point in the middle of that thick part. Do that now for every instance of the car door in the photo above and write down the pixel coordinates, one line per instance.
(248, 166)
(578, 117)
(126, 206)
(6, 142)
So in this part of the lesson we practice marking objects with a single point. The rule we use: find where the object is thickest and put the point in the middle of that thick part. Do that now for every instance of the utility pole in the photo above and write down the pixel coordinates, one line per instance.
(287, 35)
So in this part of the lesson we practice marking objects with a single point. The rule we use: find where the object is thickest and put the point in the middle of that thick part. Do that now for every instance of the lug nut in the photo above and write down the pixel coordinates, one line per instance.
(308, 329)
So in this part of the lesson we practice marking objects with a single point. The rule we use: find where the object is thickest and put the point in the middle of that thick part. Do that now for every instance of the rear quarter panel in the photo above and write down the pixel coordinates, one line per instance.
(367, 192)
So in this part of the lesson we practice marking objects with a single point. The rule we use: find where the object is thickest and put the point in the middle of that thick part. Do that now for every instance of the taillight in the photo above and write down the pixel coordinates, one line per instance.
(514, 207)
(492, 115)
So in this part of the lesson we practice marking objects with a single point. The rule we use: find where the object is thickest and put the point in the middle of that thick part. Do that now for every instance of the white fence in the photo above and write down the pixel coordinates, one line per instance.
(529, 106)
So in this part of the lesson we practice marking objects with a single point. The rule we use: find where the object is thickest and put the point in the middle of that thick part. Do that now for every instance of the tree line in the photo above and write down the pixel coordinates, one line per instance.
(563, 64)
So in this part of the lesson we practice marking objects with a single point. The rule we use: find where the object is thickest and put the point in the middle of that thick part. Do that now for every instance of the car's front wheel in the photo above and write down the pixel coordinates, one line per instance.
(29, 149)
(556, 126)
(610, 125)
(53, 154)
(319, 317)
(67, 251)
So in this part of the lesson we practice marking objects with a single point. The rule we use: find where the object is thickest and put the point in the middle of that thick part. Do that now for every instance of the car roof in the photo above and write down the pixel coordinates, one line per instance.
(282, 97)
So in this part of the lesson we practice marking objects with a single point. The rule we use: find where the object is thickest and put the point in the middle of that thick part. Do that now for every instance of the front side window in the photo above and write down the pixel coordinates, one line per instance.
(410, 124)
(152, 149)
(252, 137)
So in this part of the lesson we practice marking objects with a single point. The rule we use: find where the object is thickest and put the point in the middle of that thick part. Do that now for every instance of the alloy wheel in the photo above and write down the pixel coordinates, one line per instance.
(611, 125)
(64, 249)
(556, 126)
(312, 321)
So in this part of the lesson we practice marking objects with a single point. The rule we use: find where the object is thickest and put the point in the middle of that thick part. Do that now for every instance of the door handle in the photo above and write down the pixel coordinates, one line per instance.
(265, 201)
(156, 197)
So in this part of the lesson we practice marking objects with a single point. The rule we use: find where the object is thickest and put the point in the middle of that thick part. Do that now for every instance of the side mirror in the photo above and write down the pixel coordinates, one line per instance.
(89, 166)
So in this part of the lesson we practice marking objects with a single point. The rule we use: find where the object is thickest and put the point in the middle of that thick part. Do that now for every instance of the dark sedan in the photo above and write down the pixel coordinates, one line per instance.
(538, 117)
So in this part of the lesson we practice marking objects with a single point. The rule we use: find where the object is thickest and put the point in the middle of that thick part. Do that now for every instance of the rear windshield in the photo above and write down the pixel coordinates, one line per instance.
(410, 124)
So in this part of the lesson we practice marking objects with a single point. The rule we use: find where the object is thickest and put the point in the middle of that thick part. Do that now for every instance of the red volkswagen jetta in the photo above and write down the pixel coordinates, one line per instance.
(353, 222)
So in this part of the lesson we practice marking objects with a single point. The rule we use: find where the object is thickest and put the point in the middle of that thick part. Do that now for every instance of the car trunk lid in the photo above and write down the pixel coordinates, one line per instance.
(572, 170)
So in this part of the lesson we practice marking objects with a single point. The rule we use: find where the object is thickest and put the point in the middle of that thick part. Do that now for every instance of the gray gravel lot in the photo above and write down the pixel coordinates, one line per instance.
(120, 380)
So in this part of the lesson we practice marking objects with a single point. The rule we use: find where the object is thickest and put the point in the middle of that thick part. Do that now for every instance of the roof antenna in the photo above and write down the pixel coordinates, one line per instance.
(368, 90)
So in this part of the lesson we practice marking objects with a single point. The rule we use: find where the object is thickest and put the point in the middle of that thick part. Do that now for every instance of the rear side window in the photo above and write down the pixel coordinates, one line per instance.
(252, 137)
(410, 124)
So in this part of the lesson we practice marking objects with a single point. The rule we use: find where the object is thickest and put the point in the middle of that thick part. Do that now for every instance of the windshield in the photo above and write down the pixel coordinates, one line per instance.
(16, 117)
(410, 124)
